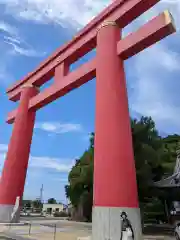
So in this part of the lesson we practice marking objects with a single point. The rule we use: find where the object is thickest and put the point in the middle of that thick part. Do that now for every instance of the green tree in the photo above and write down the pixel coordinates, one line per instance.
(52, 201)
(26, 203)
(37, 204)
(80, 188)
(154, 157)
(147, 153)
(170, 144)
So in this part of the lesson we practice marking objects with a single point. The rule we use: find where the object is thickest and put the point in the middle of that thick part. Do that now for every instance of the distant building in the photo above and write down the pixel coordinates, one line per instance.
(50, 209)
(172, 185)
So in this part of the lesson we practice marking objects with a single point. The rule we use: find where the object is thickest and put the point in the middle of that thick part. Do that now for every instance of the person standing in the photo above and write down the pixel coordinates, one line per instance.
(127, 232)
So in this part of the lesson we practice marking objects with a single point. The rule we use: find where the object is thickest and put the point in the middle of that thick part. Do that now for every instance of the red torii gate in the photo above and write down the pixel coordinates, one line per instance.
(115, 189)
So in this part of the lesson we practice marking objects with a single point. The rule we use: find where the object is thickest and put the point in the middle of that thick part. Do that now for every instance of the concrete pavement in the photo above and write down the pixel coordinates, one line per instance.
(45, 229)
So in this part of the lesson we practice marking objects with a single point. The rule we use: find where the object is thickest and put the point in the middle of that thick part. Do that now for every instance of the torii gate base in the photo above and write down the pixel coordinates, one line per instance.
(115, 205)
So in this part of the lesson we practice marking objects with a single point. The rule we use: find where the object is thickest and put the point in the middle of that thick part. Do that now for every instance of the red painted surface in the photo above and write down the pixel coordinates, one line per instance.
(73, 80)
(121, 11)
(60, 71)
(150, 33)
(145, 36)
(15, 167)
(114, 168)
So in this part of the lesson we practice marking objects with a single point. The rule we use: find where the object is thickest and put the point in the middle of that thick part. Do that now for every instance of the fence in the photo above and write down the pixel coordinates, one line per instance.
(29, 229)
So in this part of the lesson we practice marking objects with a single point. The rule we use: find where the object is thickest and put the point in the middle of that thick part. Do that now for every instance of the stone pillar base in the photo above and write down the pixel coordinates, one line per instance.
(108, 222)
(6, 214)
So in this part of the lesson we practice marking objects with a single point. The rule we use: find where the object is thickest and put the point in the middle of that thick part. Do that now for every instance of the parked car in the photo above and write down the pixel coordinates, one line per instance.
(177, 231)
(23, 214)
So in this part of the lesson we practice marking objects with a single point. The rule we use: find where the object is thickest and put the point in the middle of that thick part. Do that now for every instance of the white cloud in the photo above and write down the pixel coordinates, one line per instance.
(61, 180)
(56, 164)
(12, 43)
(156, 73)
(62, 165)
(19, 46)
(53, 11)
(15, 42)
(7, 28)
(56, 127)
(12, 39)
(3, 147)
(28, 52)
(5, 77)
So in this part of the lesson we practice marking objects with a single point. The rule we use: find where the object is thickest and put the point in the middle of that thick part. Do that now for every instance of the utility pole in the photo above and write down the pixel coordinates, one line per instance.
(41, 193)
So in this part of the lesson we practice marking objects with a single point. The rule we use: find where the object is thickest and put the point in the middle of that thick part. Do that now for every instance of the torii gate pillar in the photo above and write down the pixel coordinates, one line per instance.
(115, 189)
(15, 167)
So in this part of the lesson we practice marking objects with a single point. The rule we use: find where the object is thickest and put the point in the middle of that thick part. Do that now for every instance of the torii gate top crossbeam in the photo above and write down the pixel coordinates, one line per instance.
(122, 12)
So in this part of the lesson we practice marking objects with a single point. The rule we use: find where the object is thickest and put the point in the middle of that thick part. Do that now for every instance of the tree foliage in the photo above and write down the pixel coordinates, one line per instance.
(52, 201)
(27, 203)
(154, 157)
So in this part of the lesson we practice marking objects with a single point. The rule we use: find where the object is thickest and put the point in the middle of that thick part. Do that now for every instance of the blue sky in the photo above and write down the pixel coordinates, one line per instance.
(29, 31)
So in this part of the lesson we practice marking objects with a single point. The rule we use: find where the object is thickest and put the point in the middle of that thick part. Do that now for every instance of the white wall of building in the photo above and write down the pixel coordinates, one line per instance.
(52, 208)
